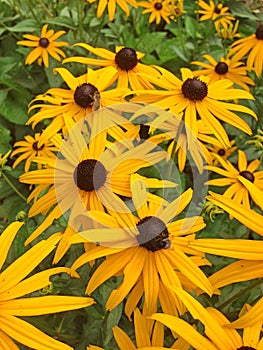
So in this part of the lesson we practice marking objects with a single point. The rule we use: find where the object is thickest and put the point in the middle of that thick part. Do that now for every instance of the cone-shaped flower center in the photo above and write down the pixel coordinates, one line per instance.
(221, 152)
(221, 68)
(84, 95)
(259, 32)
(43, 42)
(217, 10)
(158, 6)
(153, 234)
(247, 175)
(126, 59)
(36, 148)
(90, 175)
(194, 89)
(246, 348)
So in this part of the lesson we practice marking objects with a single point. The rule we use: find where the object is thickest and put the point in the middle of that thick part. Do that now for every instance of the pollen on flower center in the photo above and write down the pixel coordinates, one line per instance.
(43, 42)
(84, 95)
(194, 89)
(153, 234)
(158, 6)
(36, 148)
(90, 175)
(259, 32)
(126, 59)
(221, 68)
(246, 348)
(221, 152)
(247, 175)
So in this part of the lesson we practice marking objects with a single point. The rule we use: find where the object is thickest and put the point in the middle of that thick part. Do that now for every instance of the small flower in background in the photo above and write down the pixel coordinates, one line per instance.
(3, 161)
(217, 149)
(128, 70)
(218, 334)
(198, 97)
(244, 183)
(45, 45)
(217, 13)
(226, 68)
(251, 46)
(211, 209)
(33, 147)
(150, 249)
(229, 32)
(111, 5)
(158, 10)
(14, 284)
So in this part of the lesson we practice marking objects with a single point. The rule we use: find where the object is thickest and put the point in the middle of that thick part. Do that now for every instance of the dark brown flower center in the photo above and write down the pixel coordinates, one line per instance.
(221, 68)
(246, 348)
(247, 175)
(194, 89)
(153, 234)
(221, 152)
(43, 42)
(259, 32)
(126, 59)
(217, 10)
(90, 175)
(158, 6)
(84, 95)
(36, 148)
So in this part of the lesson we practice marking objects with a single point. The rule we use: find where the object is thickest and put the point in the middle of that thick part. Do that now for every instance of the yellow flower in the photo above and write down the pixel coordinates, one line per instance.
(251, 46)
(243, 182)
(197, 96)
(230, 32)
(218, 149)
(88, 174)
(34, 146)
(226, 68)
(123, 66)
(217, 13)
(218, 334)
(76, 102)
(150, 249)
(14, 284)
(44, 45)
(158, 9)
(111, 4)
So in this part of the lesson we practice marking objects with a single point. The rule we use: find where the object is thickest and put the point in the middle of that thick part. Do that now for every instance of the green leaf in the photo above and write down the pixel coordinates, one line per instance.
(61, 21)
(28, 25)
(191, 26)
(5, 139)
(14, 109)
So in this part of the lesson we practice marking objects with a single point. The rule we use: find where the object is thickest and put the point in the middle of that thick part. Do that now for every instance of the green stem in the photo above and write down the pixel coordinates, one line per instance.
(32, 12)
(94, 43)
(180, 34)
(240, 294)
(13, 187)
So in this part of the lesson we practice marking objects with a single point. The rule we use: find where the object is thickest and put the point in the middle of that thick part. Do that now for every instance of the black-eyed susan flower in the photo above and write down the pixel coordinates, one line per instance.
(197, 96)
(128, 71)
(217, 13)
(111, 6)
(229, 32)
(252, 46)
(158, 10)
(33, 147)
(149, 248)
(88, 174)
(146, 337)
(76, 102)
(45, 45)
(243, 183)
(216, 148)
(218, 335)
(14, 284)
(225, 68)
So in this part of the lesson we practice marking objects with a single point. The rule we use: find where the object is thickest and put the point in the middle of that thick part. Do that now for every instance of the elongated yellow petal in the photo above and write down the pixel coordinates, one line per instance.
(251, 317)
(7, 238)
(141, 333)
(255, 193)
(186, 331)
(246, 216)
(122, 339)
(28, 335)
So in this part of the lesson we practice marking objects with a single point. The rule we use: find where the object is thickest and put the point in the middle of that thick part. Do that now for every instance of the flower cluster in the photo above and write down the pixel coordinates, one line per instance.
(112, 147)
